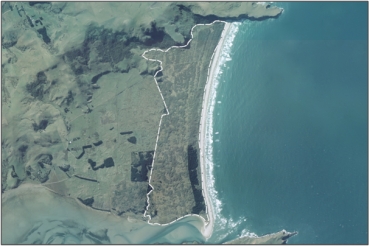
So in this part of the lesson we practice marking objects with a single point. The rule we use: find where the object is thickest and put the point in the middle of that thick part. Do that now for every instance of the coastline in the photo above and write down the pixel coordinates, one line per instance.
(208, 227)
(137, 99)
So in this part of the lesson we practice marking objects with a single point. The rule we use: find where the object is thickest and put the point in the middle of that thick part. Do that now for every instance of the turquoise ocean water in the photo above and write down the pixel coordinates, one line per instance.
(290, 126)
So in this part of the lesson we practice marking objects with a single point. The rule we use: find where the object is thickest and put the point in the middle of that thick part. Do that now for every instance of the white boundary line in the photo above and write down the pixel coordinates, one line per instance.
(160, 121)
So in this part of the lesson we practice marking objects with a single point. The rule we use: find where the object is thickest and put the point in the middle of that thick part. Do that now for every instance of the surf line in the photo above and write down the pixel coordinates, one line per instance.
(206, 222)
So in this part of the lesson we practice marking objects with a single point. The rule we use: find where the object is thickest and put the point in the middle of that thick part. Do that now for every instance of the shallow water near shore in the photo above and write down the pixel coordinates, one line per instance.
(33, 215)
(290, 127)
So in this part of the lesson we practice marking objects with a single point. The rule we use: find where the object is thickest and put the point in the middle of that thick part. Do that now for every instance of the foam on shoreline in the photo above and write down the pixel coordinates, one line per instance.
(215, 60)
(218, 63)
(220, 56)
(226, 226)
(212, 70)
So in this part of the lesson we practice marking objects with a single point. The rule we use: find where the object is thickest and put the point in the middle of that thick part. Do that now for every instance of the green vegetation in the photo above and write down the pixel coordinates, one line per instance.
(176, 191)
(79, 101)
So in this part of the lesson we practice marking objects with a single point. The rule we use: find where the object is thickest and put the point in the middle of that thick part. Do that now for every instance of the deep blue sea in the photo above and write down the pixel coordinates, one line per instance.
(290, 126)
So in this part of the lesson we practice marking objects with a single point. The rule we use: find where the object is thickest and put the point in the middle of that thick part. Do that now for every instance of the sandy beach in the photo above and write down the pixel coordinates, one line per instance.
(208, 228)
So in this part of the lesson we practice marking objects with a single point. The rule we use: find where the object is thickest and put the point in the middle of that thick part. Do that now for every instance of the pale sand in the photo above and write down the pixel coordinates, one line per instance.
(208, 228)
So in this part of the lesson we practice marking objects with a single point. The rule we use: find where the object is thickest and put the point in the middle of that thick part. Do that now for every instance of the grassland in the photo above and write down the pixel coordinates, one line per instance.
(182, 85)
(80, 108)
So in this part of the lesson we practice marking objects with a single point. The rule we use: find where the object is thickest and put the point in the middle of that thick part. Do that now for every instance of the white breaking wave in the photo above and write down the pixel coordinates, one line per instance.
(221, 221)
(246, 233)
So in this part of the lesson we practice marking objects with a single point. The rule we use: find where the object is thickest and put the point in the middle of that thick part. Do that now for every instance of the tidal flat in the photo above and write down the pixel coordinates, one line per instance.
(33, 215)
